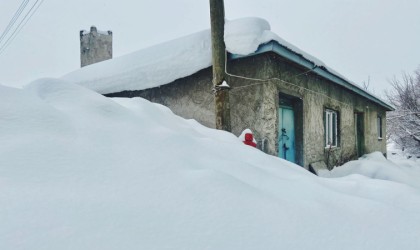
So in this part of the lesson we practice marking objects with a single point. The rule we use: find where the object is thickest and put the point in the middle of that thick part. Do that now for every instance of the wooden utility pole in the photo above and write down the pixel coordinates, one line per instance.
(222, 107)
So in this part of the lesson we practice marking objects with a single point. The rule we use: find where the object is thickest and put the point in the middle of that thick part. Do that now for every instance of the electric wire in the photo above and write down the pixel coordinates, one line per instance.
(19, 27)
(24, 21)
(263, 81)
(14, 18)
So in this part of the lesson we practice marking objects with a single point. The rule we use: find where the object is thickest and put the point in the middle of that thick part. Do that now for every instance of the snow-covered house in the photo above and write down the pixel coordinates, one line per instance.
(298, 108)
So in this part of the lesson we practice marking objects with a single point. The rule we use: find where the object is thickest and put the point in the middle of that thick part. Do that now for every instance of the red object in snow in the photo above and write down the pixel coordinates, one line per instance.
(249, 140)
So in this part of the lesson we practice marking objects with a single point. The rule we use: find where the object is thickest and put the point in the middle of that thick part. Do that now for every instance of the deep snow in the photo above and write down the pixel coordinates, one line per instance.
(80, 171)
(376, 166)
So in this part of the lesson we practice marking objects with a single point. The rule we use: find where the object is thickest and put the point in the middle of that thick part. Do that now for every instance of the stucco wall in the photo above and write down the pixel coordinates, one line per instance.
(190, 97)
(254, 104)
(318, 94)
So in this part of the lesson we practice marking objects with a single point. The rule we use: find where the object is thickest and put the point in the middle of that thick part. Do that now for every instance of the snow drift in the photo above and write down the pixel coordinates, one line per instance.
(376, 166)
(80, 171)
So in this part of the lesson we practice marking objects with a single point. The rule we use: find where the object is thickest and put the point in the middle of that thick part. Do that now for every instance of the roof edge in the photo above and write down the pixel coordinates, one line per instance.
(274, 46)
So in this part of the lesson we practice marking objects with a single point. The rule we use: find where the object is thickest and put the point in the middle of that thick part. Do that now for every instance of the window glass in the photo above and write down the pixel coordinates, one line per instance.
(379, 127)
(331, 128)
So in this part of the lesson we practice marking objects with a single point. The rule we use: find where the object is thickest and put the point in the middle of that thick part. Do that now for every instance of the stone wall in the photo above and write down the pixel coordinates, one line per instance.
(190, 97)
(95, 46)
(319, 94)
(256, 84)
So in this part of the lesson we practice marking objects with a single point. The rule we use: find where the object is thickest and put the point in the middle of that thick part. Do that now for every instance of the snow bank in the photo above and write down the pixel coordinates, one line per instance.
(80, 171)
(376, 166)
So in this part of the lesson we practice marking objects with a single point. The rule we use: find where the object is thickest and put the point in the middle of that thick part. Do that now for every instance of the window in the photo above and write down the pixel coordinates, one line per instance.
(379, 127)
(331, 124)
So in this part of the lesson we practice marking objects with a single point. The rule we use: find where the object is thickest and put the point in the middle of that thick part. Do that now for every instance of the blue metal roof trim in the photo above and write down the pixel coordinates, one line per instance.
(322, 71)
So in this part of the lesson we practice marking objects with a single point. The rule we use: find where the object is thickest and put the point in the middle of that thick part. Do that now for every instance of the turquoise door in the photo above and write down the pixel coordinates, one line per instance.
(287, 133)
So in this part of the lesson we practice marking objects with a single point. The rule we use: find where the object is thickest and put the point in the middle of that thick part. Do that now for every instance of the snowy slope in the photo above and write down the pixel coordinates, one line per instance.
(80, 171)
(376, 166)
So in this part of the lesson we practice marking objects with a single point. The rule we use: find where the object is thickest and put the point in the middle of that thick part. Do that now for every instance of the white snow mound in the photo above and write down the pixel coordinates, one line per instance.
(244, 36)
(81, 171)
(376, 166)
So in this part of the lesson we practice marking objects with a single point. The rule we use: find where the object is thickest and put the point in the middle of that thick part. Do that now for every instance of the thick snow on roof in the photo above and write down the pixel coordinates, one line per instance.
(166, 62)
(147, 68)
(244, 36)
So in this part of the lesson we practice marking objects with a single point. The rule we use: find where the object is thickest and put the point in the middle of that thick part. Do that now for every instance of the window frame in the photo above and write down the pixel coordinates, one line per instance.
(331, 128)
(379, 125)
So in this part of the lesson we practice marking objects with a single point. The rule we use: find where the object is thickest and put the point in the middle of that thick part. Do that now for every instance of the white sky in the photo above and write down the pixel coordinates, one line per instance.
(358, 38)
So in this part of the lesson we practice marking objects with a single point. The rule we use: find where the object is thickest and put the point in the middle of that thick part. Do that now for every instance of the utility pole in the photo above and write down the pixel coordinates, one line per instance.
(221, 89)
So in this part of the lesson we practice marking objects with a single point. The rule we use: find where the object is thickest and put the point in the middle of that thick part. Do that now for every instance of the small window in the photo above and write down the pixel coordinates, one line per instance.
(331, 124)
(379, 127)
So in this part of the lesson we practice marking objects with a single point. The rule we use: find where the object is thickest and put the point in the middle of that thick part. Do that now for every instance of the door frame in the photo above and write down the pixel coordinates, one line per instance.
(296, 104)
(359, 126)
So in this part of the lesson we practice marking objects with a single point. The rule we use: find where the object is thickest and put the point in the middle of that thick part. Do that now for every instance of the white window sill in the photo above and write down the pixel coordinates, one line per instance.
(332, 148)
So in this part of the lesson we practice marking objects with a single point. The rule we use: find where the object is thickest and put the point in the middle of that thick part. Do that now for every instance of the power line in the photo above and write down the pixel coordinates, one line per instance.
(24, 21)
(18, 28)
(275, 79)
(14, 18)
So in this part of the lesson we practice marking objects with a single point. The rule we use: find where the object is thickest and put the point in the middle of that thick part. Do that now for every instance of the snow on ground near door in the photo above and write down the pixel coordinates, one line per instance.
(80, 171)
(397, 169)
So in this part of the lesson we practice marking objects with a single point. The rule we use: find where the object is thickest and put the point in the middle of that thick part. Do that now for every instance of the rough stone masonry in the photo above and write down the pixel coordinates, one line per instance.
(95, 46)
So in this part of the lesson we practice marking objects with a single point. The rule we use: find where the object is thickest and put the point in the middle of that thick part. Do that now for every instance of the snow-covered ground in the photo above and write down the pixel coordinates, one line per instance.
(397, 169)
(80, 171)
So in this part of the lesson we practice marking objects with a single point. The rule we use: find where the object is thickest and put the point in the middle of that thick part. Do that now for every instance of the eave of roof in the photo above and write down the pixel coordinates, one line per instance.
(274, 46)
